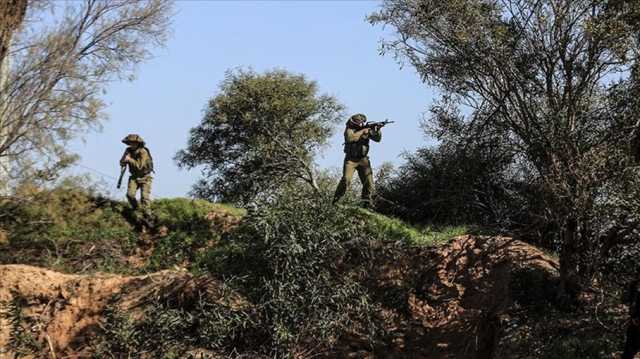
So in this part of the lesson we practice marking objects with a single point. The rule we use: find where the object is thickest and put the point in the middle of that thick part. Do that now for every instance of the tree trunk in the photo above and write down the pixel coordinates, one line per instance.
(569, 262)
(12, 14)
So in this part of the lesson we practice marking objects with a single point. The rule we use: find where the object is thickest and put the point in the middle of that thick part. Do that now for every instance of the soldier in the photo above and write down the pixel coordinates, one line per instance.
(140, 162)
(356, 149)
(632, 345)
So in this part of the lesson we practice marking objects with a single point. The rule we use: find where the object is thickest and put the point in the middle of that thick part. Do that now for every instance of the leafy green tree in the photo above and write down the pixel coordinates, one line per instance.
(259, 132)
(53, 73)
(539, 71)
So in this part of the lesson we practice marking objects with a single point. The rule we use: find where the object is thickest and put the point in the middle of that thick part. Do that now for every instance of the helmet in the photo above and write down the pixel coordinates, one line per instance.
(133, 138)
(357, 120)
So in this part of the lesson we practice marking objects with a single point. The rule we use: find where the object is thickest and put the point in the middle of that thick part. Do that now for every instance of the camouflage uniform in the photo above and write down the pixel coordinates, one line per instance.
(356, 149)
(140, 169)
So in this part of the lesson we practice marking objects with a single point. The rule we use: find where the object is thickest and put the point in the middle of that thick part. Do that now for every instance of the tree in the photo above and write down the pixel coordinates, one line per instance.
(11, 15)
(259, 132)
(539, 70)
(60, 68)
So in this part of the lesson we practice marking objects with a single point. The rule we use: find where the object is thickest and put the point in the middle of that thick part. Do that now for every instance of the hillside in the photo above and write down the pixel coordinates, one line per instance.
(112, 291)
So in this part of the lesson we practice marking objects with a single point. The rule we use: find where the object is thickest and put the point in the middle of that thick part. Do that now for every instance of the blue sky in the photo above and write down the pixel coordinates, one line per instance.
(328, 41)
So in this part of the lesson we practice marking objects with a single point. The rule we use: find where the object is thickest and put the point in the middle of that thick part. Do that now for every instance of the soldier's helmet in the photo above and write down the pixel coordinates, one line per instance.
(357, 120)
(133, 138)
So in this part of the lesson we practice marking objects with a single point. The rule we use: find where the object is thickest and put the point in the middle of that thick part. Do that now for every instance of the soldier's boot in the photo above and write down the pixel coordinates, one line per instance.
(366, 204)
(133, 202)
(340, 190)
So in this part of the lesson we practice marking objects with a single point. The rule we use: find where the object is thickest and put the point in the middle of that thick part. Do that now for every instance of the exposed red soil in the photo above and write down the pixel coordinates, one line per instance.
(446, 302)
(64, 311)
(440, 302)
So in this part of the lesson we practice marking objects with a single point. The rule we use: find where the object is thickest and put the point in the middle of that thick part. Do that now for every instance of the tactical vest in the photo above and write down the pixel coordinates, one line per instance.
(357, 150)
(147, 167)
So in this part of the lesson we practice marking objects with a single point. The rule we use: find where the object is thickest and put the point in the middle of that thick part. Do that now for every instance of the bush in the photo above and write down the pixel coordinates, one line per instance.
(68, 227)
(193, 227)
(169, 330)
(293, 257)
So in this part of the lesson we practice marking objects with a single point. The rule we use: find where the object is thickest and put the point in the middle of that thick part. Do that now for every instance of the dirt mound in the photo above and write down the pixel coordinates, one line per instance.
(447, 301)
(61, 312)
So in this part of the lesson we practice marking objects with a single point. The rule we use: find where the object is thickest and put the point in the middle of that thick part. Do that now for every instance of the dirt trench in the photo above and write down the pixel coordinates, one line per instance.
(448, 302)
(64, 311)
(440, 302)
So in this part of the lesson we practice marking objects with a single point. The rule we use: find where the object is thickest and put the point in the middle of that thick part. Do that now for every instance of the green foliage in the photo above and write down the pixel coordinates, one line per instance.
(189, 214)
(169, 329)
(292, 256)
(21, 340)
(72, 229)
(259, 132)
(465, 179)
(564, 127)
(120, 335)
(392, 229)
(191, 231)
(66, 227)
(45, 103)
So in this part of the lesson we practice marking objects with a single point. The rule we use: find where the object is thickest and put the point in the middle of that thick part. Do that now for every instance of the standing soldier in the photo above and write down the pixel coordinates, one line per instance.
(356, 149)
(140, 162)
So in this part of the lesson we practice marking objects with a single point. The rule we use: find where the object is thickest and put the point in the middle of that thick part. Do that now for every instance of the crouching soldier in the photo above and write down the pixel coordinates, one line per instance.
(140, 163)
(356, 149)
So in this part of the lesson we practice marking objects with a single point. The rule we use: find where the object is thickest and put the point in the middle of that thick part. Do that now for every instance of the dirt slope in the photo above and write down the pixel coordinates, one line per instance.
(447, 301)
(438, 302)
(63, 311)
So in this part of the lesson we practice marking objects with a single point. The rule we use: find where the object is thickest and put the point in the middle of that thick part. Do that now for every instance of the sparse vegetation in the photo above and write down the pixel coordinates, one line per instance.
(393, 229)
(76, 230)
(21, 338)
(538, 142)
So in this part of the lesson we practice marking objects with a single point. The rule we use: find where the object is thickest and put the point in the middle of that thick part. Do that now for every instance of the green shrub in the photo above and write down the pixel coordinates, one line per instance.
(293, 256)
(21, 339)
(169, 329)
(189, 214)
(191, 231)
(67, 227)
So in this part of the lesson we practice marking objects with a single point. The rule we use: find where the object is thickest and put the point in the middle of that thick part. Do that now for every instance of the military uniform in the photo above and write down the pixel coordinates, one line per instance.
(356, 149)
(140, 163)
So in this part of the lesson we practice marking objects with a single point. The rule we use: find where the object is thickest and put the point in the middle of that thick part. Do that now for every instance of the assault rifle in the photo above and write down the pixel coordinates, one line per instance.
(377, 125)
(122, 170)
(123, 167)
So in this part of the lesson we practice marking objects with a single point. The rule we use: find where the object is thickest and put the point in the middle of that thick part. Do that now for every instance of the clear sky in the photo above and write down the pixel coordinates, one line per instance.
(328, 41)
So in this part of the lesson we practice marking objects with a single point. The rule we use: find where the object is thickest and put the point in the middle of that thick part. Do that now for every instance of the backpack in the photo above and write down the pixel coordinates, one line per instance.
(151, 169)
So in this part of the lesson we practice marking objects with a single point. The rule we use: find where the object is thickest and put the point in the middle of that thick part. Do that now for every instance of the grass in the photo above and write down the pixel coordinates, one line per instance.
(394, 229)
(73, 230)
